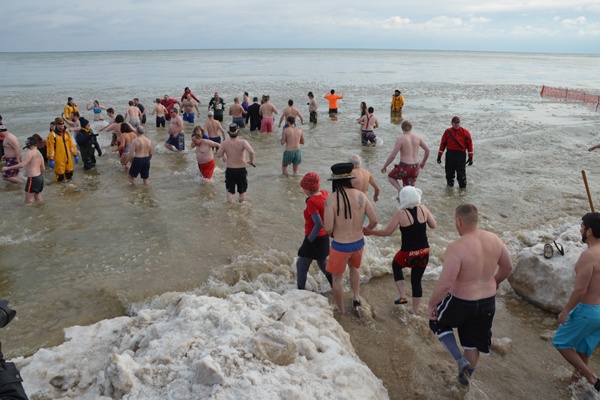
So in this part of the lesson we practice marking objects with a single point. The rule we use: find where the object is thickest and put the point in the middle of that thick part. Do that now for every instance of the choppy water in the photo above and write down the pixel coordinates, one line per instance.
(97, 245)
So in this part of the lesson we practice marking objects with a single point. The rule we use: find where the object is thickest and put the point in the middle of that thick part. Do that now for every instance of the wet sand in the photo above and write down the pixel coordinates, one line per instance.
(401, 350)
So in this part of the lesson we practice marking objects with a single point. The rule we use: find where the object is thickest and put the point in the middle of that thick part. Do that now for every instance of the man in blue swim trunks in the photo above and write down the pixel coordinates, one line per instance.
(465, 294)
(579, 331)
(139, 156)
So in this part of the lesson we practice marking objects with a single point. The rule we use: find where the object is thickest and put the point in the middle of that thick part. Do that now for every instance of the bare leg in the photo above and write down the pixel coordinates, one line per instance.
(132, 180)
(576, 374)
(295, 168)
(14, 179)
(355, 281)
(338, 291)
(37, 197)
(395, 183)
(284, 170)
(580, 365)
(145, 181)
(230, 197)
(416, 305)
(242, 197)
(472, 356)
(28, 198)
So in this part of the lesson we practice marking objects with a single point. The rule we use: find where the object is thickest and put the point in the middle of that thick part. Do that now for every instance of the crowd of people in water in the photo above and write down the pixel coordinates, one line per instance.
(335, 224)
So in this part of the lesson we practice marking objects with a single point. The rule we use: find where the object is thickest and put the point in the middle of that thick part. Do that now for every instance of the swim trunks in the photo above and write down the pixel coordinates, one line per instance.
(333, 111)
(342, 254)
(134, 122)
(413, 258)
(239, 121)
(266, 125)
(236, 177)
(207, 169)
(407, 172)
(160, 121)
(11, 172)
(313, 117)
(178, 142)
(35, 184)
(581, 331)
(126, 150)
(188, 117)
(292, 157)
(473, 318)
(216, 139)
(367, 136)
(140, 166)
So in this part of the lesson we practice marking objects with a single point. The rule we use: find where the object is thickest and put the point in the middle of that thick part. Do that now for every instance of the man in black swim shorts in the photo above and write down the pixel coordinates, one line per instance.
(464, 296)
(235, 150)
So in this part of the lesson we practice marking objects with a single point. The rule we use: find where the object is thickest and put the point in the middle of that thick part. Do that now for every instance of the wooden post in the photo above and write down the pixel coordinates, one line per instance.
(587, 189)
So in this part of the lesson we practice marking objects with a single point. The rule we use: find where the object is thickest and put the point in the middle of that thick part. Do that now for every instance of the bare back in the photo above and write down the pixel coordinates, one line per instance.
(409, 144)
(292, 138)
(141, 146)
(235, 151)
(591, 258)
(474, 258)
(212, 128)
(361, 180)
(267, 110)
(347, 230)
(33, 163)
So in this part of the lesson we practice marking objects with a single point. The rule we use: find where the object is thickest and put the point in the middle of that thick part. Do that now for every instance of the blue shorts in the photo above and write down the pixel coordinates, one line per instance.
(292, 157)
(160, 121)
(216, 139)
(177, 142)
(581, 331)
(188, 117)
(240, 122)
(141, 166)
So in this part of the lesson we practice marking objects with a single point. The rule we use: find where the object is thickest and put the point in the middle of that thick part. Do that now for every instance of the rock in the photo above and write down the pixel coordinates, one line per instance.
(547, 283)
(273, 344)
(208, 372)
(501, 346)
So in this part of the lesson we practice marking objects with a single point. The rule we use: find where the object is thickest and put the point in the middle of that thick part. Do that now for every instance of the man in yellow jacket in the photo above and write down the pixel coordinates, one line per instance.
(69, 108)
(397, 102)
(61, 151)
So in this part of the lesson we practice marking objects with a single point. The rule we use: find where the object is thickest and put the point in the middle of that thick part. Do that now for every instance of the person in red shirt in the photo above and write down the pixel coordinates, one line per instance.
(169, 103)
(316, 242)
(187, 91)
(456, 140)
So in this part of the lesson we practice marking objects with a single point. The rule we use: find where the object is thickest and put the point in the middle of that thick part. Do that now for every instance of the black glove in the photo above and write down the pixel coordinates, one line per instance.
(439, 159)
(470, 161)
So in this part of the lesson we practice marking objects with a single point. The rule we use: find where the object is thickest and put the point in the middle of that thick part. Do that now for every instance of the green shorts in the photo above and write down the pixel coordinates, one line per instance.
(292, 157)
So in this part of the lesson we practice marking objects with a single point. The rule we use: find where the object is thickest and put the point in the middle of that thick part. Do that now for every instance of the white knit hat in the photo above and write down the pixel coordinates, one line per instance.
(410, 197)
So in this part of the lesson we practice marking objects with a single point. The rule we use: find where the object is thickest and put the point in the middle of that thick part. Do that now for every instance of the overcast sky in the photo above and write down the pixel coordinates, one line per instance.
(556, 26)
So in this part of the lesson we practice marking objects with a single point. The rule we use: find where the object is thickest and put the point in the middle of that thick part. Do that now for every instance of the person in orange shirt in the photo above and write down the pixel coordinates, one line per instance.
(333, 101)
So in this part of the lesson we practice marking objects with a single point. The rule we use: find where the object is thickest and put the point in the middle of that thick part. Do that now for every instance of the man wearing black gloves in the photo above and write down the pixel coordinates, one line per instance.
(457, 140)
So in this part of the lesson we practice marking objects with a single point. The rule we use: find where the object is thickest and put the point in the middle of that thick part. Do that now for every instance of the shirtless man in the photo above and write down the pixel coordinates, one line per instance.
(464, 296)
(579, 330)
(363, 178)
(34, 165)
(266, 111)
(176, 140)
(160, 111)
(292, 137)
(139, 156)
(290, 111)
(134, 114)
(343, 221)
(115, 128)
(204, 152)
(408, 167)
(213, 127)
(126, 138)
(238, 113)
(188, 106)
(312, 107)
(12, 155)
(233, 152)
(368, 122)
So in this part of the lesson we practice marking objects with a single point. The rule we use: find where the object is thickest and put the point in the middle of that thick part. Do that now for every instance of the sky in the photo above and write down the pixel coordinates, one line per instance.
(545, 26)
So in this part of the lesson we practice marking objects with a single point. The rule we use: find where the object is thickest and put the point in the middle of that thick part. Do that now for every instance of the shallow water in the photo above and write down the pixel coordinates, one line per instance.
(97, 245)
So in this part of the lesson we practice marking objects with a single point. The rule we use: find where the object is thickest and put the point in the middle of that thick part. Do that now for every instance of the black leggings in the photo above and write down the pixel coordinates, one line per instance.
(302, 266)
(415, 278)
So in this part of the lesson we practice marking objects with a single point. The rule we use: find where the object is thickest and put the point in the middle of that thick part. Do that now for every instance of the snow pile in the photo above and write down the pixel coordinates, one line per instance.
(183, 346)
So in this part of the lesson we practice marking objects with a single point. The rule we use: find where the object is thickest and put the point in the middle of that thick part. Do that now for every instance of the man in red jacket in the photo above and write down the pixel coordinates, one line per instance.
(457, 140)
